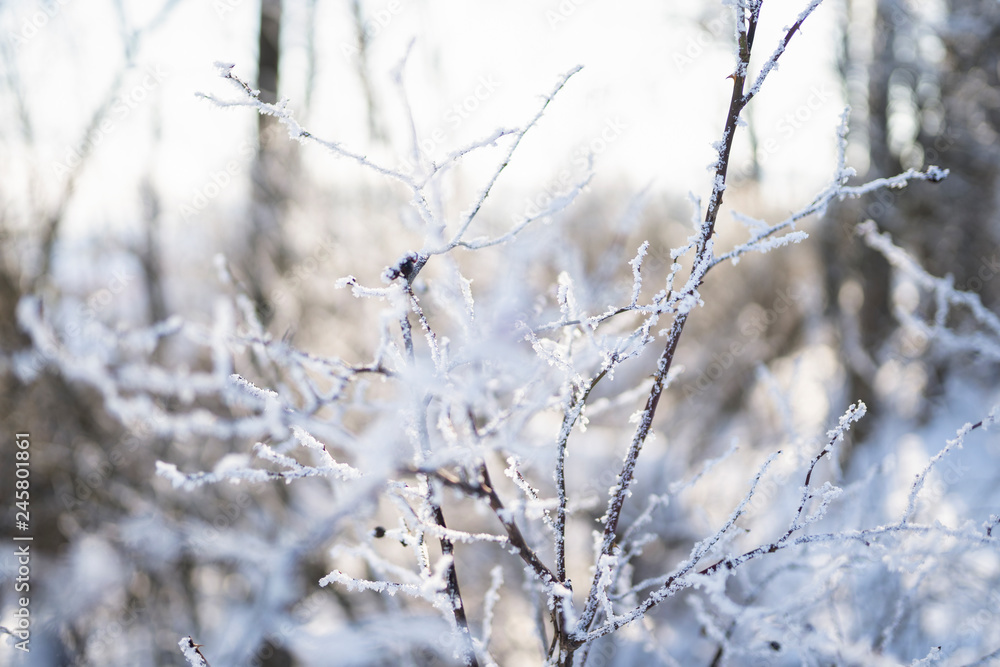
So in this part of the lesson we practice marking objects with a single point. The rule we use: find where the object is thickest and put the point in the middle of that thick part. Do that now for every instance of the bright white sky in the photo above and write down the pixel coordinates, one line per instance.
(653, 82)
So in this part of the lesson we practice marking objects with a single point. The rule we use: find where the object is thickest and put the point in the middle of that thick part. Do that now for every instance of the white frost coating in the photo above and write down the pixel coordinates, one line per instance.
(170, 472)
(955, 443)
(353, 584)
(766, 245)
(853, 415)
(772, 62)
(985, 339)
(192, 653)
(567, 302)
(361, 292)
(607, 565)
(228, 464)
(636, 264)
(251, 389)
(490, 601)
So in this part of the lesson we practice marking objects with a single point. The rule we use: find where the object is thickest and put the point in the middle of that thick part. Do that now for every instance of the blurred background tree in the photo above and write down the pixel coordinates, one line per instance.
(923, 82)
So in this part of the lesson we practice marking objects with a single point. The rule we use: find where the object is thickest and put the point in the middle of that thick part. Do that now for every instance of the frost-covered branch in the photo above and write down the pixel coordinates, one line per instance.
(192, 652)
(703, 256)
(955, 443)
(480, 198)
(685, 574)
(434, 244)
(763, 238)
(483, 488)
(772, 62)
(985, 340)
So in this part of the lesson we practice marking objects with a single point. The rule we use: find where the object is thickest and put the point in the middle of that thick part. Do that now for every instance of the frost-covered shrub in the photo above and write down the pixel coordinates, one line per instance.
(479, 487)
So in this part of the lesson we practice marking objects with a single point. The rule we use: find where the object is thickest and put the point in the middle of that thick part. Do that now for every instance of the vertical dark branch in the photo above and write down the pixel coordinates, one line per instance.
(737, 101)
(628, 469)
(736, 104)
(447, 547)
(569, 420)
(455, 594)
(755, 6)
(561, 640)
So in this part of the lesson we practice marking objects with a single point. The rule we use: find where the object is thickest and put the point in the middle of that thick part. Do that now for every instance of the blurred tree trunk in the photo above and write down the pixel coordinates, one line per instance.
(857, 278)
(150, 256)
(960, 130)
(923, 94)
(268, 255)
(375, 131)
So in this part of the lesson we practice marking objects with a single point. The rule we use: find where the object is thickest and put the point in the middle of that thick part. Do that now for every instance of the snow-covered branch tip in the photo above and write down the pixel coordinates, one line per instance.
(484, 193)
(295, 131)
(955, 443)
(772, 62)
(192, 652)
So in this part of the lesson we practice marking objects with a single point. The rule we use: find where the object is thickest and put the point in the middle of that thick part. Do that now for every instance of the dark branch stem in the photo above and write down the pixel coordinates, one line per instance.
(484, 489)
(628, 469)
(702, 256)
(569, 420)
(455, 594)
(514, 534)
(447, 548)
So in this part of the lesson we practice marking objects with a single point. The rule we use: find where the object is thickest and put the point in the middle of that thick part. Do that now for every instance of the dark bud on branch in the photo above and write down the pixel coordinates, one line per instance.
(406, 268)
